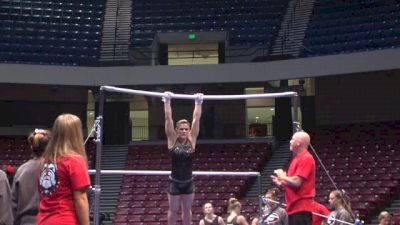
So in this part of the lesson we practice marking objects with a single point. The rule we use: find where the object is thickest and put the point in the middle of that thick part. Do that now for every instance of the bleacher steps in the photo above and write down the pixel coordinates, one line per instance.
(279, 159)
(113, 158)
(116, 31)
(293, 28)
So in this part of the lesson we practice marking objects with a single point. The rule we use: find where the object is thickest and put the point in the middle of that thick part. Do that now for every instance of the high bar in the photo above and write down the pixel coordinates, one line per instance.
(205, 97)
(163, 172)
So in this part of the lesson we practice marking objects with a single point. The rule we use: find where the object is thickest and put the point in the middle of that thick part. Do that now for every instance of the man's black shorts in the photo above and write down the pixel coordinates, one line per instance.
(300, 218)
(177, 187)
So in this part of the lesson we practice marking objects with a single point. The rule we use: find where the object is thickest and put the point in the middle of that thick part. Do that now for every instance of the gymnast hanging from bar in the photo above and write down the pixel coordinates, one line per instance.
(181, 144)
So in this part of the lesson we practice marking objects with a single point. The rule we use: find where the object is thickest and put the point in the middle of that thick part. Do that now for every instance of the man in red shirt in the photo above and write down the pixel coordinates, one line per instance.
(299, 181)
(320, 209)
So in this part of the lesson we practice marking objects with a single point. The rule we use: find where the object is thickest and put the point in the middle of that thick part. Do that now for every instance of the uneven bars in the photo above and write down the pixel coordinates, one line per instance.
(163, 172)
(205, 97)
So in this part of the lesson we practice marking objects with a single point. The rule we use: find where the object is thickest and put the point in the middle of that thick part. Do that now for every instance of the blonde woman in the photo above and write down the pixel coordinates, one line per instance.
(181, 144)
(385, 218)
(234, 217)
(63, 176)
(25, 197)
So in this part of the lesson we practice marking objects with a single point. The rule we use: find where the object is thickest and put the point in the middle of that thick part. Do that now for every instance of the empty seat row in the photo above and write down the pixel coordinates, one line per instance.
(51, 32)
(369, 172)
(254, 23)
(347, 26)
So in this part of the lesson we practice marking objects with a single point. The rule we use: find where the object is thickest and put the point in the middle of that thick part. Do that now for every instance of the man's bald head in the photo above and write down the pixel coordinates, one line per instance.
(300, 141)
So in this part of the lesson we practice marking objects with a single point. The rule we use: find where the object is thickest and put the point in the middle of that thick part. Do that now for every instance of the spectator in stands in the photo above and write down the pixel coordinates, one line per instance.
(340, 202)
(181, 144)
(6, 216)
(299, 182)
(234, 217)
(273, 213)
(209, 217)
(25, 197)
(320, 209)
(63, 175)
(385, 218)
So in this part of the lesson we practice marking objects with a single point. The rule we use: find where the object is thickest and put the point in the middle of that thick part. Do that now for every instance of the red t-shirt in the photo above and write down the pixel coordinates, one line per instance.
(320, 209)
(301, 198)
(56, 187)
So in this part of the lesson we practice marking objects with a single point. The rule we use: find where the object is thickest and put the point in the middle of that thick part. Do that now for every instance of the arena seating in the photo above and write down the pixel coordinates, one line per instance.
(350, 26)
(363, 159)
(396, 218)
(69, 32)
(248, 22)
(50, 32)
(15, 151)
(143, 199)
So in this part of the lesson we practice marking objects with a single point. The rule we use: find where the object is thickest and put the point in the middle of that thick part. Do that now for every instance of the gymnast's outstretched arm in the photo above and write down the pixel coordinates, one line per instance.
(194, 131)
(169, 123)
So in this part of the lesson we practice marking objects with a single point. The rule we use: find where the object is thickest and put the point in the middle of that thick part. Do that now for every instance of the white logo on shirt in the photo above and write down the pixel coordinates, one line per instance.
(48, 179)
(331, 219)
(272, 219)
